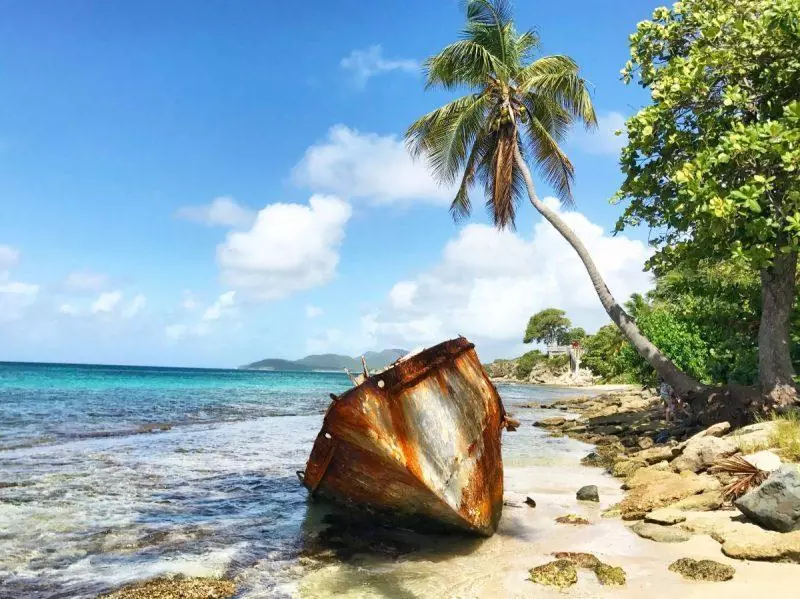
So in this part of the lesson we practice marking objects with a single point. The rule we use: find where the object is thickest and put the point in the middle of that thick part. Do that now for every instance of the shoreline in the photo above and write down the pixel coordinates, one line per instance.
(600, 387)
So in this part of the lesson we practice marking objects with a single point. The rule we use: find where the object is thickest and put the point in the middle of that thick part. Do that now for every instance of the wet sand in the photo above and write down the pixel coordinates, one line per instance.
(527, 537)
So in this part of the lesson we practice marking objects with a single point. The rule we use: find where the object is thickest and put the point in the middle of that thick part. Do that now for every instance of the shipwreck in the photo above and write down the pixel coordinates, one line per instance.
(416, 444)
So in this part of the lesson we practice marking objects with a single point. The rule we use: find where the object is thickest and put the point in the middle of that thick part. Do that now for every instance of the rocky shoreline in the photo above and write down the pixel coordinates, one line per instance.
(675, 486)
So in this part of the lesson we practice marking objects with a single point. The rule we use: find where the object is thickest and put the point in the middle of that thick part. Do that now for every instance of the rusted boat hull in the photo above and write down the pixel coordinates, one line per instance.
(419, 442)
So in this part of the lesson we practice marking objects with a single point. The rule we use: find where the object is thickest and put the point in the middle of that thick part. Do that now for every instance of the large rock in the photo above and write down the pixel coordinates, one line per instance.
(588, 493)
(775, 504)
(754, 436)
(764, 460)
(661, 534)
(656, 454)
(652, 489)
(665, 517)
(705, 502)
(554, 422)
(625, 468)
(715, 430)
(560, 573)
(743, 540)
(699, 454)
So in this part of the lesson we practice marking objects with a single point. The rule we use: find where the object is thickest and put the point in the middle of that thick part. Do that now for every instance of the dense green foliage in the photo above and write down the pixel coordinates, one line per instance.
(527, 361)
(712, 163)
(548, 326)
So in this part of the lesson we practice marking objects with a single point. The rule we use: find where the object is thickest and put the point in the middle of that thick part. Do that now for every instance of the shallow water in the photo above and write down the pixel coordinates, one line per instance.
(89, 502)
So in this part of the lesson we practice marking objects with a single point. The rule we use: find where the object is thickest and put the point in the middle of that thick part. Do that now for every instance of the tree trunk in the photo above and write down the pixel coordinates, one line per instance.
(682, 383)
(775, 372)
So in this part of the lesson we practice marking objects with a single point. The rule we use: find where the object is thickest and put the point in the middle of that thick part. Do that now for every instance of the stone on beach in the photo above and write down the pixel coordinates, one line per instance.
(651, 489)
(753, 435)
(665, 517)
(582, 560)
(588, 493)
(609, 575)
(656, 454)
(176, 588)
(701, 453)
(775, 504)
(561, 573)
(554, 422)
(764, 460)
(624, 468)
(660, 534)
(530, 501)
(704, 569)
(704, 502)
(572, 519)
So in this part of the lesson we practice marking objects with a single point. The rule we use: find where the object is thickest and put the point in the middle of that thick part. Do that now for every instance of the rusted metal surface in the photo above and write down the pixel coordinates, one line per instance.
(419, 441)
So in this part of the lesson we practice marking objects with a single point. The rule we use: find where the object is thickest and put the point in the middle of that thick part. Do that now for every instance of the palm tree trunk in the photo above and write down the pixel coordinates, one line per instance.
(682, 383)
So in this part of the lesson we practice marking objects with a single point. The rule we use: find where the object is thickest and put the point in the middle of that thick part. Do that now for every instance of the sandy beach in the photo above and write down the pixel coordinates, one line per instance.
(527, 537)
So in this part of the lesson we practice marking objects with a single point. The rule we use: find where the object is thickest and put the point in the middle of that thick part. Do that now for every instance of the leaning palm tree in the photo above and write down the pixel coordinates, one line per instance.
(519, 108)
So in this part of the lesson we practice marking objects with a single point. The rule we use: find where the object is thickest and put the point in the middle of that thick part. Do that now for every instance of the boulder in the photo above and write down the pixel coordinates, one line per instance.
(704, 502)
(701, 453)
(744, 540)
(665, 517)
(561, 573)
(645, 442)
(588, 493)
(753, 435)
(661, 534)
(764, 460)
(704, 569)
(624, 468)
(651, 489)
(775, 504)
(715, 430)
(582, 560)
(530, 501)
(656, 454)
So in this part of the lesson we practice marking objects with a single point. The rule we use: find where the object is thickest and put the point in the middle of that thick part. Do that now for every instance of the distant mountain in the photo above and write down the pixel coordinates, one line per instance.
(375, 360)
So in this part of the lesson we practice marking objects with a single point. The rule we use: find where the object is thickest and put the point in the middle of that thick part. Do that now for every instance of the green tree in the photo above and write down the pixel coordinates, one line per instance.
(549, 326)
(574, 334)
(601, 355)
(712, 162)
(519, 107)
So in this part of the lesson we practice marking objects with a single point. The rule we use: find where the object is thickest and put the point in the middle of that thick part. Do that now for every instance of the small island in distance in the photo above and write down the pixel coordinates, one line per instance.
(375, 360)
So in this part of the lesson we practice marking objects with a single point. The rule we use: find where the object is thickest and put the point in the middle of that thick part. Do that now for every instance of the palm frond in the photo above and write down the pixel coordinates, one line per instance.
(465, 62)
(558, 77)
(488, 12)
(461, 206)
(550, 161)
(446, 135)
(501, 178)
(746, 474)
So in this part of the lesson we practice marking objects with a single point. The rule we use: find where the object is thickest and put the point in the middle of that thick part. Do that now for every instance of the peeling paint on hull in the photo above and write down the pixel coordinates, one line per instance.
(419, 442)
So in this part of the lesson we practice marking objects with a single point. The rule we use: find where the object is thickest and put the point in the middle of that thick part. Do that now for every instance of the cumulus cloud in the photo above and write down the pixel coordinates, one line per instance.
(106, 302)
(289, 248)
(86, 281)
(222, 211)
(352, 164)
(489, 282)
(604, 139)
(313, 311)
(9, 257)
(219, 307)
(367, 63)
(135, 306)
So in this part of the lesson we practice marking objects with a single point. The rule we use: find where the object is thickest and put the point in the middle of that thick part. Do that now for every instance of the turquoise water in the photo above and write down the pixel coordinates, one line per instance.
(91, 499)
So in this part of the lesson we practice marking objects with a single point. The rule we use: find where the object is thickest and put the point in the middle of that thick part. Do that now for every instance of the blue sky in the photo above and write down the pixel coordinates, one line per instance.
(158, 163)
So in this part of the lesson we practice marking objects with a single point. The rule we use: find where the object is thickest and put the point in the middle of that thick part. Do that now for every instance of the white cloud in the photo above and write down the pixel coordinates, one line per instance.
(15, 297)
(364, 64)
(135, 306)
(219, 307)
(313, 311)
(290, 247)
(9, 257)
(366, 165)
(106, 302)
(489, 282)
(67, 310)
(86, 281)
(604, 140)
(189, 302)
(222, 211)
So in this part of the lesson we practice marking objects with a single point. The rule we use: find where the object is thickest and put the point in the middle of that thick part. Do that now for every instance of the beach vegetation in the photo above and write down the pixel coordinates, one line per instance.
(711, 163)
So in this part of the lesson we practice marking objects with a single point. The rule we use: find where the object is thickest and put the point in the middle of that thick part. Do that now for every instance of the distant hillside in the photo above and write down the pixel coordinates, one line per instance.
(375, 360)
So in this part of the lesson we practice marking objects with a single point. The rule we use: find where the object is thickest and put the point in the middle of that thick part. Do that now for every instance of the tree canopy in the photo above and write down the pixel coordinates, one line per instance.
(549, 326)
(712, 163)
